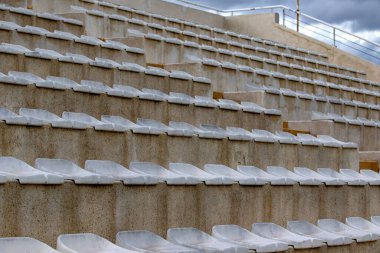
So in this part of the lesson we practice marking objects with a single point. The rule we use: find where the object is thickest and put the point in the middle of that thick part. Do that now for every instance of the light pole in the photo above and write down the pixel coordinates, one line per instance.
(298, 15)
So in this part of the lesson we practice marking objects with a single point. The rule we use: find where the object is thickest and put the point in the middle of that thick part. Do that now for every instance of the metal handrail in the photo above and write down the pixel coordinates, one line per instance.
(282, 8)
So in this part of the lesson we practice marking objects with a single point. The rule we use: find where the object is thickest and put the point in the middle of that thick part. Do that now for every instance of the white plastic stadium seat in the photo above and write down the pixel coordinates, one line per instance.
(15, 169)
(263, 175)
(332, 173)
(335, 226)
(240, 236)
(306, 172)
(199, 240)
(163, 174)
(148, 242)
(307, 229)
(71, 171)
(119, 172)
(243, 179)
(285, 173)
(363, 224)
(92, 122)
(276, 232)
(84, 243)
(356, 175)
(24, 245)
(191, 170)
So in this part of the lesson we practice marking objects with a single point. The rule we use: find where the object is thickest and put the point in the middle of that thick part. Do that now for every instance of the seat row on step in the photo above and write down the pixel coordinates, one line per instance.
(169, 50)
(124, 91)
(359, 130)
(103, 172)
(101, 6)
(31, 36)
(102, 70)
(264, 237)
(297, 105)
(242, 74)
(48, 21)
(75, 120)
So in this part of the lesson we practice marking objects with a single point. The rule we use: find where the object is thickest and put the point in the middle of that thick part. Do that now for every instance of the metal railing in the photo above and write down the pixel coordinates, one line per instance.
(308, 25)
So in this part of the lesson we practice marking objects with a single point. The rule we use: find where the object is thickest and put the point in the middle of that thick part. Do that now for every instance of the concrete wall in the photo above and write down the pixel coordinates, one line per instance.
(29, 143)
(154, 6)
(44, 212)
(265, 26)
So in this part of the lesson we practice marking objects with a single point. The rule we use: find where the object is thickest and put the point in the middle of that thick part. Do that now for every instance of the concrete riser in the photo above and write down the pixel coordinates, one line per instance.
(58, 101)
(29, 143)
(44, 212)
(78, 72)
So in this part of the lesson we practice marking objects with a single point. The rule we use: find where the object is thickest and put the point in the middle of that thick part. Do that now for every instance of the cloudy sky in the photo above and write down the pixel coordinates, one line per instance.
(360, 17)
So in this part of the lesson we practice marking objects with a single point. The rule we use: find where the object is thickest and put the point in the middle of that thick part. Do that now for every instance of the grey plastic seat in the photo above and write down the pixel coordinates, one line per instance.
(263, 136)
(332, 173)
(23, 78)
(70, 171)
(12, 118)
(13, 49)
(148, 242)
(285, 173)
(375, 220)
(242, 179)
(92, 122)
(50, 118)
(287, 138)
(306, 172)
(240, 236)
(188, 129)
(190, 170)
(92, 87)
(24, 245)
(261, 174)
(59, 83)
(276, 232)
(84, 243)
(309, 140)
(75, 58)
(363, 224)
(119, 173)
(124, 123)
(120, 90)
(332, 142)
(203, 101)
(199, 240)
(14, 169)
(335, 226)
(158, 127)
(228, 104)
(154, 170)
(370, 174)
(307, 229)
(212, 131)
(356, 175)
(155, 95)
(238, 134)
(44, 54)
(180, 98)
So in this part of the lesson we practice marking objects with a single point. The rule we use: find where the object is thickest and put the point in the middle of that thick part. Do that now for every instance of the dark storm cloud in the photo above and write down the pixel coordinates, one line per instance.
(362, 13)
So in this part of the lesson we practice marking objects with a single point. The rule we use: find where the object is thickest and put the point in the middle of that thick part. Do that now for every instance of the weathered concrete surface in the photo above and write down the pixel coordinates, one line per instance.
(29, 143)
(58, 101)
(294, 108)
(154, 6)
(32, 210)
(67, 46)
(254, 25)
(365, 136)
(109, 76)
(49, 25)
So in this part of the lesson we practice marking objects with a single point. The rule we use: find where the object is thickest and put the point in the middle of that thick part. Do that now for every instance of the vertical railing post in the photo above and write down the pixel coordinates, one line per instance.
(334, 39)
(283, 17)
